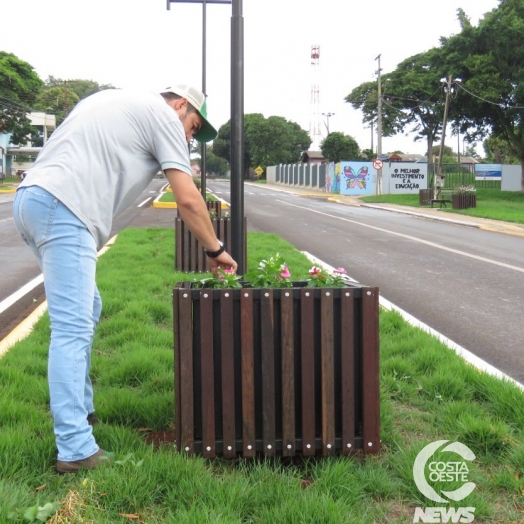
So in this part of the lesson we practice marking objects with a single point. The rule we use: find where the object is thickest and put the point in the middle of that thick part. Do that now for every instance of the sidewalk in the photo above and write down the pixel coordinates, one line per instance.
(498, 226)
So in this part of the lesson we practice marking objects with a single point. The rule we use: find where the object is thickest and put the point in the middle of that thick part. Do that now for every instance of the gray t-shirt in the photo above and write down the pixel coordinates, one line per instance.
(106, 152)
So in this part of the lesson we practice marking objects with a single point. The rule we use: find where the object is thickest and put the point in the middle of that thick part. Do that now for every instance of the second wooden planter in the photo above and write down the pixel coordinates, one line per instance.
(189, 252)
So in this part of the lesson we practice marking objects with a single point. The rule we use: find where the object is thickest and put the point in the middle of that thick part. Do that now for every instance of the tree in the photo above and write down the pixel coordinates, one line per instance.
(368, 154)
(337, 146)
(214, 164)
(491, 66)
(59, 96)
(499, 151)
(18, 87)
(365, 98)
(267, 142)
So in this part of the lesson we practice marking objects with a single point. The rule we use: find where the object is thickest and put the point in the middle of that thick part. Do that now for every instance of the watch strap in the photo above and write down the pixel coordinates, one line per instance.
(218, 252)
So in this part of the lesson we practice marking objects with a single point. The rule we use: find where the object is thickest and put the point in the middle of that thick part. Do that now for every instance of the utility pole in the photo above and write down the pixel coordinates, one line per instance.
(439, 177)
(379, 128)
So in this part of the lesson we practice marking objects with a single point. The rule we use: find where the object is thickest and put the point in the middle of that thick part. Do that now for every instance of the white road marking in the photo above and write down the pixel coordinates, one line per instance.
(17, 295)
(467, 355)
(6, 219)
(415, 239)
(146, 200)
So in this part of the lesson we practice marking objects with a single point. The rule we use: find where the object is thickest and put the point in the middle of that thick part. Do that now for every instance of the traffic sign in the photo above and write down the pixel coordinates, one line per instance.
(377, 163)
(259, 170)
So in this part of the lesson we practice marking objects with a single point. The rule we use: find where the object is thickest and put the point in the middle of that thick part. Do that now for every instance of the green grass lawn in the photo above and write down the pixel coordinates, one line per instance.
(427, 394)
(498, 205)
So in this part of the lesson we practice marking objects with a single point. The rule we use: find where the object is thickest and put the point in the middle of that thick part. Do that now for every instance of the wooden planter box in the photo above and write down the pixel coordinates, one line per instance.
(276, 371)
(189, 253)
(463, 200)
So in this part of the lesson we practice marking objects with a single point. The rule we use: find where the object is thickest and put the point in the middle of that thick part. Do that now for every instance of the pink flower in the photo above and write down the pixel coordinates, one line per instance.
(339, 271)
(314, 270)
(223, 272)
(285, 272)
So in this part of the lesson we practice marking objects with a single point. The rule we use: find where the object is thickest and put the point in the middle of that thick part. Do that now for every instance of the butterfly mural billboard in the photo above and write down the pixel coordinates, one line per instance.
(356, 178)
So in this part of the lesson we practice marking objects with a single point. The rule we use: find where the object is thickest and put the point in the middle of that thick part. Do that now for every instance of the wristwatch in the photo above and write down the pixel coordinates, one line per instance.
(218, 252)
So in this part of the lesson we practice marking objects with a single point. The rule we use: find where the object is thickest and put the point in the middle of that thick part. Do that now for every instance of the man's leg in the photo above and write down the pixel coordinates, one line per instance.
(88, 392)
(67, 255)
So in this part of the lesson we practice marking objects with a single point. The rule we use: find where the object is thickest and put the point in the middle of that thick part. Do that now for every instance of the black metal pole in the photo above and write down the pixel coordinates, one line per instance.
(237, 135)
(203, 187)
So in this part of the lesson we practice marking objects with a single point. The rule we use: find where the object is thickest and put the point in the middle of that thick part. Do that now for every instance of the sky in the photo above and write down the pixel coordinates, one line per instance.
(140, 44)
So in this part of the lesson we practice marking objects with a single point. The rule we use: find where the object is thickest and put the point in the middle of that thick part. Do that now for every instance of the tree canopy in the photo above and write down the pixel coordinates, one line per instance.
(337, 146)
(268, 141)
(412, 98)
(487, 102)
(59, 96)
(490, 64)
(19, 85)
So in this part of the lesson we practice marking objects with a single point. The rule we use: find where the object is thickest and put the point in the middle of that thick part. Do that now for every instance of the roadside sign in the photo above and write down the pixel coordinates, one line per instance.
(259, 170)
(377, 163)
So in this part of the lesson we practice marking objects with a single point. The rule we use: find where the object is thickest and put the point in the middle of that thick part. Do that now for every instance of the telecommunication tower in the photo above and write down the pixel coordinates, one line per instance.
(314, 119)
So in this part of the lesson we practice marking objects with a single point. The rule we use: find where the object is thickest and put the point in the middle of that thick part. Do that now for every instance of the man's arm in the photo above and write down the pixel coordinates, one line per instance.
(193, 211)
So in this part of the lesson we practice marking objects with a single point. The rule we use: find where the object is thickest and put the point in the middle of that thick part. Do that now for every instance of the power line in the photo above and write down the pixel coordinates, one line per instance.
(489, 101)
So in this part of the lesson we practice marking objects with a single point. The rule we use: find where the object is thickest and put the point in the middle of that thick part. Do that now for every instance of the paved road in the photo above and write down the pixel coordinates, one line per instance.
(464, 282)
(19, 265)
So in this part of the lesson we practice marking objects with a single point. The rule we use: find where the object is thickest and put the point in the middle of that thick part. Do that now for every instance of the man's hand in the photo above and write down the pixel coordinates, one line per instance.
(223, 261)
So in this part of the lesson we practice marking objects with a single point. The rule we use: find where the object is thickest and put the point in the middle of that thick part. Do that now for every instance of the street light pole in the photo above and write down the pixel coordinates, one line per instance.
(327, 115)
(237, 135)
(379, 128)
(204, 3)
(203, 182)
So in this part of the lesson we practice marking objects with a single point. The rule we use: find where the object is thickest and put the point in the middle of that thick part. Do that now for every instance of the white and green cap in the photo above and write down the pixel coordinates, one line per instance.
(198, 100)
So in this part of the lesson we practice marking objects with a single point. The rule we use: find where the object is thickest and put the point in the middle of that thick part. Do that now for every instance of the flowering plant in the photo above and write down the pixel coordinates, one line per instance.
(319, 277)
(224, 279)
(272, 272)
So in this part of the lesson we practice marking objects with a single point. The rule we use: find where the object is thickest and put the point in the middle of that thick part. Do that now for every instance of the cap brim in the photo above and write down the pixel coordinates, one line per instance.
(206, 133)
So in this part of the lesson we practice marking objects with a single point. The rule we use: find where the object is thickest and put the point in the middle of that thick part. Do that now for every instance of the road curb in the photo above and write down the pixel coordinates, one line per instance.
(476, 362)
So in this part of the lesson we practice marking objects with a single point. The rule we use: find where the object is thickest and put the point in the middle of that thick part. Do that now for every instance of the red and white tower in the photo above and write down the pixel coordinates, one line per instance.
(314, 118)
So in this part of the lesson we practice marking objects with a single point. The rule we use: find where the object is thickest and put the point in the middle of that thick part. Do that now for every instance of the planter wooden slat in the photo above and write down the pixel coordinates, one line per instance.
(248, 373)
(328, 371)
(370, 372)
(228, 374)
(268, 371)
(277, 371)
(184, 333)
(463, 200)
(288, 374)
(308, 372)
(208, 374)
(347, 368)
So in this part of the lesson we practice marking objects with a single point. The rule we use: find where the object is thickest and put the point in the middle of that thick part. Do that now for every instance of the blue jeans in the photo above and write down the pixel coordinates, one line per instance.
(66, 253)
